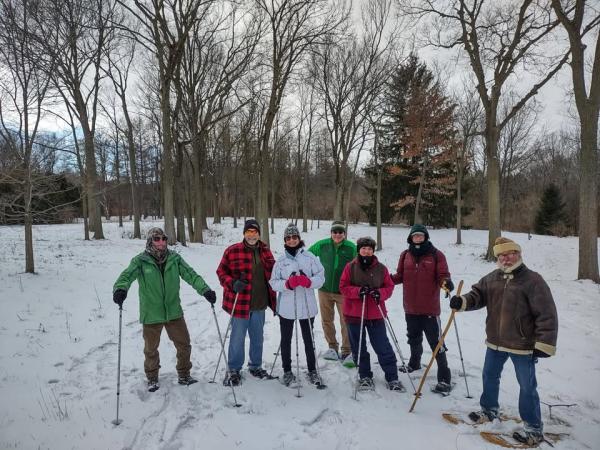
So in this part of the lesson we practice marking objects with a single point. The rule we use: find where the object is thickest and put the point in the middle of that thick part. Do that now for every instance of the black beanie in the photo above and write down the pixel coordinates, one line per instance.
(365, 242)
(251, 223)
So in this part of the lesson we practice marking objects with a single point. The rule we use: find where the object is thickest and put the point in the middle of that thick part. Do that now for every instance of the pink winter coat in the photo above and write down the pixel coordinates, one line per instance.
(354, 277)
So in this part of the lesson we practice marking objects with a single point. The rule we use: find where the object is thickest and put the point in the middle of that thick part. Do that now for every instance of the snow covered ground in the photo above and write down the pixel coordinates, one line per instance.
(58, 356)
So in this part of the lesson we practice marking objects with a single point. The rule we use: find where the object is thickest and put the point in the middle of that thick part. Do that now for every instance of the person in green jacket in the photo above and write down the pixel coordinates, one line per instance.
(334, 252)
(158, 271)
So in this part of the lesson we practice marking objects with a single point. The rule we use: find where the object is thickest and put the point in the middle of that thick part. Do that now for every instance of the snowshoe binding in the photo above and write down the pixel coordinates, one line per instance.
(259, 372)
(366, 384)
(314, 378)
(289, 379)
(232, 378)
(153, 384)
(442, 388)
(186, 380)
(348, 361)
(396, 385)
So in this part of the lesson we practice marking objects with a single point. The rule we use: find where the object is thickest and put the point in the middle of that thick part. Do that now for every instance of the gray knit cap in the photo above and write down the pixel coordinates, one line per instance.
(291, 230)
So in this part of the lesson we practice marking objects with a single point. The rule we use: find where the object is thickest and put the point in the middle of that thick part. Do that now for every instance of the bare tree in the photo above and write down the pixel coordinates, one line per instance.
(348, 74)
(22, 93)
(572, 14)
(165, 29)
(498, 39)
(295, 27)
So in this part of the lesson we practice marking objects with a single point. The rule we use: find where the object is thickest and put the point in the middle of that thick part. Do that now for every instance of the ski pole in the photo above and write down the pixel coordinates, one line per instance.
(117, 421)
(362, 321)
(435, 352)
(312, 336)
(226, 335)
(297, 352)
(275, 360)
(389, 326)
(461, 358)
(235, 403)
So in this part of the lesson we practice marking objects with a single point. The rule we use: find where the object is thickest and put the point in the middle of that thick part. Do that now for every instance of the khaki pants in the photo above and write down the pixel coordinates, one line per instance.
(327, 303)
(179, 335)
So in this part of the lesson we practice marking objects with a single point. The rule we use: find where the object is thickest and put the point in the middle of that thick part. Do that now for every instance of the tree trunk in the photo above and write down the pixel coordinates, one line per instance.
(167, 181)
(133, 173)
(29, 261)
(378, 207)
(459, 176)
(179, 201)
(95, 217)
(588, 196)
(417, 218)
(493, 181)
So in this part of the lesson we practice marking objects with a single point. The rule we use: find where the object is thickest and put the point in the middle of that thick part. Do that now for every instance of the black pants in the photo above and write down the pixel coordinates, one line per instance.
(287, 330)
(416, 325)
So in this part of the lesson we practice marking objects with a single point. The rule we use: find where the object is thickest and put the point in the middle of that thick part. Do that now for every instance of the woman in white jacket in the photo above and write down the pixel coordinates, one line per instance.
(296, 275)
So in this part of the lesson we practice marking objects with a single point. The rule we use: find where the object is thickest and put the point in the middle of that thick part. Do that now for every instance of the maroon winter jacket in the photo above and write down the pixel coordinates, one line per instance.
(237, 263)
(354, 277)
(421, 278)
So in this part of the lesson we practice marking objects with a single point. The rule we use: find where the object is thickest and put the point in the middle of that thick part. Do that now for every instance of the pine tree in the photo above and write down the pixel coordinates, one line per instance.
(551, 212)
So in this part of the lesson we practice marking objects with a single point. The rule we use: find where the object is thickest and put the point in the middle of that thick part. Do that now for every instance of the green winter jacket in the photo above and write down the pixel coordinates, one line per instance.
(159, 293)
(334, 258)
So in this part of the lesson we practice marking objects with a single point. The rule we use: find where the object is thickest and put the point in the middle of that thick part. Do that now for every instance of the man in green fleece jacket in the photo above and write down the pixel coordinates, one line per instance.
(158, 271)
(334, 252)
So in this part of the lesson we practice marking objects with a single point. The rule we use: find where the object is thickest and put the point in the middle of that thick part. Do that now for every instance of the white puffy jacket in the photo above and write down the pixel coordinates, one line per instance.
(284, 267)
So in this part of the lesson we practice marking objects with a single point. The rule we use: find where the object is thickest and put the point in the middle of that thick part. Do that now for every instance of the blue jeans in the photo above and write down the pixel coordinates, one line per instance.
(381, 345)
(529, 400)
(237, 342)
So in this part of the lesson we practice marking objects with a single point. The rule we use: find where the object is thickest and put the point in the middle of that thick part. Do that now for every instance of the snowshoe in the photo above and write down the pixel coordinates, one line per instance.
(528, 437)
(315, 378)
(366, 384)
(259, 372)
(408, 368)
(443, 388)
(331, 355)
(289, 379)
(396, 385)
(186, 380)
(483, 416)
(348, 361)
(232, 378)
(153, 384)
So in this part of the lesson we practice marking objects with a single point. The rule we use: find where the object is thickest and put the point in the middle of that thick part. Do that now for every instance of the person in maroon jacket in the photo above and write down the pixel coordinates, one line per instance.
(244, 273)
(422, 269)
(365, 279)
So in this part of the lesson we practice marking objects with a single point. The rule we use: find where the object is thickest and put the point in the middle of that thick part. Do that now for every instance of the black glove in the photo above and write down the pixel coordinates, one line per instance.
(456, 302)
(363, 291)
(375, 294)
(119, 296)
(540, 354)
(239, 285)
(448, 284)
(210, 296)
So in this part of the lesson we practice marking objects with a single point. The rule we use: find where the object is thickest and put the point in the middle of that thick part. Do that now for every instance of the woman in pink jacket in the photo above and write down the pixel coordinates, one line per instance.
(364, 279)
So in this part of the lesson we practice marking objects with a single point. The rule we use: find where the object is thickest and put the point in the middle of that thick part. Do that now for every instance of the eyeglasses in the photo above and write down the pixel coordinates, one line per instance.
(251, 232)
(289, 238)
(338, 232)
(160, 238)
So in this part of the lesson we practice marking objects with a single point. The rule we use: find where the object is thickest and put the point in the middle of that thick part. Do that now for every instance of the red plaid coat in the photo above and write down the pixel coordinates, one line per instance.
(237, 263)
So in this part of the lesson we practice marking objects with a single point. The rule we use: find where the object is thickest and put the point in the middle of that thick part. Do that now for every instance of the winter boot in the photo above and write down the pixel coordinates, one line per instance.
(396, 385)
(258, 372)
(153, 384)
(442, 388)
(348, 361)
(331, 355)
(186, 380)
(366, 384)
(288, 379)
(528, 437)
(409, 368)
(314, 377)
(232, 378)
(484, 415)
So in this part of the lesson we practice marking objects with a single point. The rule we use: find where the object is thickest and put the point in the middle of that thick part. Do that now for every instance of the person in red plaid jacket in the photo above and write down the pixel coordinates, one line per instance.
(244, 273)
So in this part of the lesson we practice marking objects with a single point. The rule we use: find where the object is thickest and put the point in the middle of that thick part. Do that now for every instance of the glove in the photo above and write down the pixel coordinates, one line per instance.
(293, 282)
(364, 291)
(456, 302)
(210, 296)
(303, 281)
(448, 284)
(239, 285)
(119, 296)
(375, 295)
(540, 354)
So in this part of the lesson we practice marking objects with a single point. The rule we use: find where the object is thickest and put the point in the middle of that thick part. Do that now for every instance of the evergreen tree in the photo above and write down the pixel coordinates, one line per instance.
(551, 212)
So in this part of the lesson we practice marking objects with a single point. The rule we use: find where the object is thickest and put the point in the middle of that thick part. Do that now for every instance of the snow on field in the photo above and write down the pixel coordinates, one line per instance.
(58, 356)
